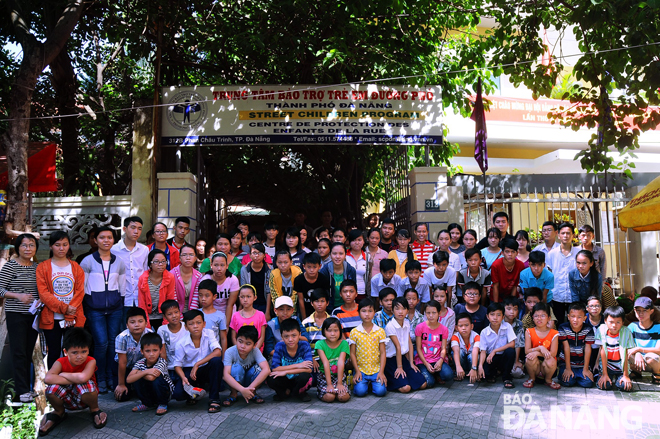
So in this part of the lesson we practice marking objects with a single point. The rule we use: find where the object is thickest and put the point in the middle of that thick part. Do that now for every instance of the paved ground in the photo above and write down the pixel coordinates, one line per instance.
(458, 411)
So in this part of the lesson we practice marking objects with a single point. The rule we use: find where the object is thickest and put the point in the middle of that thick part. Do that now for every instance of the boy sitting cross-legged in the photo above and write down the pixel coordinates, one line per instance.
(292, 364)
(616, 340)
(496, 343)
(245, 367)
(576, 339)
(71, 382)
(367, 343)
(127, 349)
(197, 361)
(150, 378)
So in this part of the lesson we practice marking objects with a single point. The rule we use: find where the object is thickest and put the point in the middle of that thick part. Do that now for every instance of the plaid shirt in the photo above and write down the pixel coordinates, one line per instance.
(126, 344)
(416, 320)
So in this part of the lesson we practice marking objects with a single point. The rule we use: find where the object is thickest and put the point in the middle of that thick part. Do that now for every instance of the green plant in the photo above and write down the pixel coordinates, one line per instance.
(21, 419)
(6, 393)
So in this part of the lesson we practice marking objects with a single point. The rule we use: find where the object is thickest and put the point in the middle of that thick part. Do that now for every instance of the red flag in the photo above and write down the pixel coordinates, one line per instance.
(41, 171)
(480, 133)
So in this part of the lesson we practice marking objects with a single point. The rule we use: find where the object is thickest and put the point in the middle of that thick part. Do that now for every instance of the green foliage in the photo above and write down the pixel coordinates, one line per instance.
(614, 88)
(22, 420)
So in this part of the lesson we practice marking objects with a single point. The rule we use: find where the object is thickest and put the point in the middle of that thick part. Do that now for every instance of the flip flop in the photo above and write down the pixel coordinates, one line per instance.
(141, 408)
(161, 410)
(257, 399)
(529, 383)
(99, 413)
(55, 419)
(553, 385)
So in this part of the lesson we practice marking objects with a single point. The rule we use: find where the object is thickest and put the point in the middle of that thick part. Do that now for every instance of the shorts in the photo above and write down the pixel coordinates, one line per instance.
(71, 395)
(647, 358)
(322, 384)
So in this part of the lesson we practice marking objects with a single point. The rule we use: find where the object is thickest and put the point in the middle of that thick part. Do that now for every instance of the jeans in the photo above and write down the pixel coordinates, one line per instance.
(446, 374)
(54, 342)
(362, 388)
(22, 339)
(244, 377)
(210, 373)
(502, 362)
(466, 361)
(105, 327)
(617, 381)
(152, 393)
(577, 378)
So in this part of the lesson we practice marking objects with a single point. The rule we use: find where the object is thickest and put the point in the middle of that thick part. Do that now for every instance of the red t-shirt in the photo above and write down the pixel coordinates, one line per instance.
(508, 280)
(67, 367)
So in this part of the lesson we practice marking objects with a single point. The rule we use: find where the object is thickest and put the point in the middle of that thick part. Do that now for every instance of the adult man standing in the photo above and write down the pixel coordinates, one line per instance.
(387, 241)
(160, 242)
(181, 230)
(134, 256)
(561, 261)
(501, 221)
(549, 233)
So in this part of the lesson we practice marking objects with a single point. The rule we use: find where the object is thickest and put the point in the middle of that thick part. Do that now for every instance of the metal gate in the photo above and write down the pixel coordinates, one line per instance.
(397, 188)
(527, 210)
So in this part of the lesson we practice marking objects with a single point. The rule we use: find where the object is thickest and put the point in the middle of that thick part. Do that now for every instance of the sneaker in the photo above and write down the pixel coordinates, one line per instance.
(27, 397)
(517, 372)
(194, 392)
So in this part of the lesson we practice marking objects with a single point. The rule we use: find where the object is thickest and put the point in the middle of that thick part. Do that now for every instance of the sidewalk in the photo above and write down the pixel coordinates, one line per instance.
(458, 411)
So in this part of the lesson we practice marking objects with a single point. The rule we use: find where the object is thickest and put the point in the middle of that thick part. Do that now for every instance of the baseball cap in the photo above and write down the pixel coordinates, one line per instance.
(283, 300)
(644, 302)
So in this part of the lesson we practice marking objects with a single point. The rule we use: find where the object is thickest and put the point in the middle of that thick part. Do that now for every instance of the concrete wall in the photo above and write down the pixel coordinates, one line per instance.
(177, 196)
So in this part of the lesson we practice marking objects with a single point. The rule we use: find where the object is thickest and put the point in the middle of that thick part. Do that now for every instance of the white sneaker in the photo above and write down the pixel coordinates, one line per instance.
(517, 372)
(194, 392)
(27, 397)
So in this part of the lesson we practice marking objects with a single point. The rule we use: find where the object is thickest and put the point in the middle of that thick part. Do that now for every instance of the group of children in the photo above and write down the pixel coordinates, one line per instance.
(410, 332)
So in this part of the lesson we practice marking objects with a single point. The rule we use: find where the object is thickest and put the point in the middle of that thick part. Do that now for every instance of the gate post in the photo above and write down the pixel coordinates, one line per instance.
(445, 203)
(143, 178)
(177, 196)
(643, 255)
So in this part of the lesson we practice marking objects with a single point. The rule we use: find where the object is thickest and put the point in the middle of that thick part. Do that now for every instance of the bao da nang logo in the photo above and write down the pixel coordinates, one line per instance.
(187, 110)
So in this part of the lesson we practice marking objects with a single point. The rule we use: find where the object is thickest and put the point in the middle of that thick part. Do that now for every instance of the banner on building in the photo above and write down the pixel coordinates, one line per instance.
(352, 114)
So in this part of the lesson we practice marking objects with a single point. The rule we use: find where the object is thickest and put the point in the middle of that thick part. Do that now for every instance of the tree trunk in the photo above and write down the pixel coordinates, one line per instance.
(65, 85)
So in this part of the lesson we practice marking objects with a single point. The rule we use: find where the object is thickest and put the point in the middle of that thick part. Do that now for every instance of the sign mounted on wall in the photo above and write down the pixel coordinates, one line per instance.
(352, 114)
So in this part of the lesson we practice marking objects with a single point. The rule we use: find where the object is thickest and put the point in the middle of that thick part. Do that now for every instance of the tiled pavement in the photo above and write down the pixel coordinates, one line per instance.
(457, 411)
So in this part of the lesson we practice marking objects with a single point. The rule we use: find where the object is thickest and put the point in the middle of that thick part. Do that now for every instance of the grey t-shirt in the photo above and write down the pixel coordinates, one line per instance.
(232, 356)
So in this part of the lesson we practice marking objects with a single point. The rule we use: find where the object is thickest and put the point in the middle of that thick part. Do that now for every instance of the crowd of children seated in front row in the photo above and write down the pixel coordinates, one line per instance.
(411, 329)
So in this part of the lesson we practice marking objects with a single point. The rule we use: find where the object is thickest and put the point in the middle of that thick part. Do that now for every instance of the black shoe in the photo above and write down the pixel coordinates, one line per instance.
(304, 397)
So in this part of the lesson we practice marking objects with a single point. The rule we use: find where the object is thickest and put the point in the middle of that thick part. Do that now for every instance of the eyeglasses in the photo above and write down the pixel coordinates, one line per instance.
(159, 262)
(160, 232)
(28, 246)
(472, 294)
(255, 253)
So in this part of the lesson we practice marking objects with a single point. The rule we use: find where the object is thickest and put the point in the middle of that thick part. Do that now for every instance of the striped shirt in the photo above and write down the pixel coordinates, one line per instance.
(576, 342)
(613, 353)
(422, 251)
(16, 278)
(161, 365)
(314, 333)
(348, 319)
(645, 338)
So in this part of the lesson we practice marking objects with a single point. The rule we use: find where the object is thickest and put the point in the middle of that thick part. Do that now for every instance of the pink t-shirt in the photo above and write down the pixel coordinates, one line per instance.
(258, 320)
(224, 289)
(431, 342)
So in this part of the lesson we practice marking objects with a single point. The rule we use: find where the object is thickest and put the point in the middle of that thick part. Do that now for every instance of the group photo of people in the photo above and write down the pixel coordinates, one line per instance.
(333, 312)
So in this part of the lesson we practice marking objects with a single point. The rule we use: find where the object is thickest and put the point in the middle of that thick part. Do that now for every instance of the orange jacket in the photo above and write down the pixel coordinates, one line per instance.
(52, 304)
(165, 292)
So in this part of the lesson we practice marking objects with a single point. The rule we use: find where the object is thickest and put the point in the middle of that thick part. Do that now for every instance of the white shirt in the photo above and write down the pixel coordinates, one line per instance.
(377, 283)
(63, 285)
(449, 278)
(490, 340)
(360, 266)
(186, 354)
(135, 262)
(542, 247)
(171, 339)
(454, 262)
(402, 334)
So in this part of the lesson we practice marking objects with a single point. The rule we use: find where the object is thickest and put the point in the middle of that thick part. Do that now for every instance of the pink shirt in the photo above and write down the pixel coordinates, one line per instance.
(224, 289)
(431, 342)
(258, 320)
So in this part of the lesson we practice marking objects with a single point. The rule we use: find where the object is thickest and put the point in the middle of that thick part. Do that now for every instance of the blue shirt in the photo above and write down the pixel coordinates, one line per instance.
(281, 356)
(561, 266)
(382, 318)
(545, 281)
(273, 334)
(645, 338)
(581, 286)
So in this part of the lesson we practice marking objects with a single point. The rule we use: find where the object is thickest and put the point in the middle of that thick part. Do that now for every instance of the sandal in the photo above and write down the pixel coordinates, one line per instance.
(655, 379)
(229, 401)
(508, 384)
(161, 410)
(141, 408)
(529, 383)
(55, 419)
(214, 406)
(257, 399)
(553, 385)
(98, 414)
